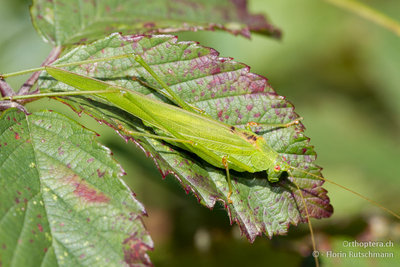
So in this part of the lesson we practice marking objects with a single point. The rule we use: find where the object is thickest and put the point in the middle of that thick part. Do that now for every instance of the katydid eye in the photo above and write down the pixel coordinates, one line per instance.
(277, 168)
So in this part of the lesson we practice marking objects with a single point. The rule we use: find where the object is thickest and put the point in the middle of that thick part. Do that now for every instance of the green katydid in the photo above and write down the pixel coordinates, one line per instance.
(220, 144)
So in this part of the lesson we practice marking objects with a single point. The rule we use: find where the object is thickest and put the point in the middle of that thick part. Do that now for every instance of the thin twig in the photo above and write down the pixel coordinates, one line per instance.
(26, 87)
(368, 13)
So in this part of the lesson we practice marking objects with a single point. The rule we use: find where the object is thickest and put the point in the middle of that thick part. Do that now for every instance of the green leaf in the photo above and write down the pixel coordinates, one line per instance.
(228, 92)
(64, 22)
(62, 201)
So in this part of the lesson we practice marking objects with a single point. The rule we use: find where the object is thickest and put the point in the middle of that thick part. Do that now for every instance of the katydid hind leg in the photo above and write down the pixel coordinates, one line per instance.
(148, 85)
(180, 102)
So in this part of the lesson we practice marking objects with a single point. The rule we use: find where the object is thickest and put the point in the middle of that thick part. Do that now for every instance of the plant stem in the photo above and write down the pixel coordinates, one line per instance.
(5, 88)
(368, 13)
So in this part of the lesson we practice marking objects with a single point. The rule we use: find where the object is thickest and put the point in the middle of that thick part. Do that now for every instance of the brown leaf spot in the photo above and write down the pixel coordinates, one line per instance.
(135, 251)
(40, 227)
(83, 190)
(149, 25)
(60, 151)
(215, 71)
(100, 174)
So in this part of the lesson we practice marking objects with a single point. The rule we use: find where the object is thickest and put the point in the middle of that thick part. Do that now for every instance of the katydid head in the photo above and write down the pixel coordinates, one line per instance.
(279, 167)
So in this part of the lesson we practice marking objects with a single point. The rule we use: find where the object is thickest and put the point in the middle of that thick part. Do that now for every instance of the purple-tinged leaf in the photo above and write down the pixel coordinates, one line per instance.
(228, 92)
(64, 22)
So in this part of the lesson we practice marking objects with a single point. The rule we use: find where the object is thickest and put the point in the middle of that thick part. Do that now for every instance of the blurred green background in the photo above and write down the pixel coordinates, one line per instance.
(343, 75)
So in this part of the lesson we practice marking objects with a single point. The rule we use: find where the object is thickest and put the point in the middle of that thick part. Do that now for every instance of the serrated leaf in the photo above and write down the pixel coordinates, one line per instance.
(64, 22)
(228, 92)
(62, 202)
